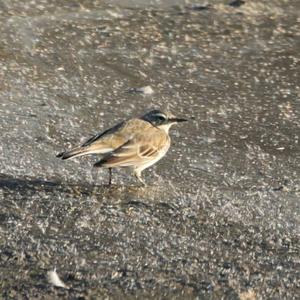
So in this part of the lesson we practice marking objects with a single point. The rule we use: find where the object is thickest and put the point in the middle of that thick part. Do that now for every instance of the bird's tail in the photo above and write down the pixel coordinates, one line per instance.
(79, 151)
(84, 150)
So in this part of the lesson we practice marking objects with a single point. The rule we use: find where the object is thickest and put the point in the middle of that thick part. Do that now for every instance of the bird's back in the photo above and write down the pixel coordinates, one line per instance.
(145, 145)
(118, 135)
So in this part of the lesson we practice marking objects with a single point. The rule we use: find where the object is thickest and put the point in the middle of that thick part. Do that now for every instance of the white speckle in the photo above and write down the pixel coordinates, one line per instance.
(114, 14)
(147, 90)
(55, 280)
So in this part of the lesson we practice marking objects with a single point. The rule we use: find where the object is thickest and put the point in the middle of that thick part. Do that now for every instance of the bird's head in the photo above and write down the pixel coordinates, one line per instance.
(161, 120)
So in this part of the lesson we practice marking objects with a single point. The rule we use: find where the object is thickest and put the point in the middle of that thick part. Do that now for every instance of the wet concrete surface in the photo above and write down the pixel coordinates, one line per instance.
(219, 218)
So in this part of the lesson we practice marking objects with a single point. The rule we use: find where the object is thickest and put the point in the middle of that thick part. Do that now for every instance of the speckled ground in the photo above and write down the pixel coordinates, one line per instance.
(219, 218)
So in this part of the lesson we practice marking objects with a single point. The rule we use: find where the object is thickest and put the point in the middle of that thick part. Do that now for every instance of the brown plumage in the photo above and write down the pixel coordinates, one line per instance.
(138, 150)
(137, 143)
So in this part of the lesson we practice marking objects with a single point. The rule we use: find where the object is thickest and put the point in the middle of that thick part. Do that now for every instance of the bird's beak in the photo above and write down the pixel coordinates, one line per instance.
(177, 120)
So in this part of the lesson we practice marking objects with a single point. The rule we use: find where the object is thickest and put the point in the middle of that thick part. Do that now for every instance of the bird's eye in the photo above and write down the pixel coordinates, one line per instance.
(160, 117)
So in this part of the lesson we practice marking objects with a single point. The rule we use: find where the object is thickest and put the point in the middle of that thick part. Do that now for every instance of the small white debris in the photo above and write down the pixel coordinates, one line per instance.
(146, 90)
(55, 280)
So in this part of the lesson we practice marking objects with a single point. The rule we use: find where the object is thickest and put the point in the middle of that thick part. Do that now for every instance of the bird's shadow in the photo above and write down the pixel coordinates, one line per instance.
(18, 191)
(28, 186)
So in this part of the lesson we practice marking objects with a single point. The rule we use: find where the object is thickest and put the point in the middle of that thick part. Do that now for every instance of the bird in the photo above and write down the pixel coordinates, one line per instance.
(136, 143)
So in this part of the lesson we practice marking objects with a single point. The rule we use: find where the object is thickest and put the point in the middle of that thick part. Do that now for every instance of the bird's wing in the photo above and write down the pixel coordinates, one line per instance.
(116, 136)
(103, 134)
(109, 140)
(142, 148)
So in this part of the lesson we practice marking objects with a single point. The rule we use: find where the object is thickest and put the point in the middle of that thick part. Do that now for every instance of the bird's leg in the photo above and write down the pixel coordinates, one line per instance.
(138, 175)
(110, 176)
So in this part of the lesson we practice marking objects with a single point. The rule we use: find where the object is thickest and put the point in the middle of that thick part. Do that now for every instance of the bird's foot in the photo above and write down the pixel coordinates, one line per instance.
(138, 175)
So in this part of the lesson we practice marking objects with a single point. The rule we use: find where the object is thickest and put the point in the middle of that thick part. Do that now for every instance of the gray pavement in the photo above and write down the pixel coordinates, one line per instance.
(219, 218)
